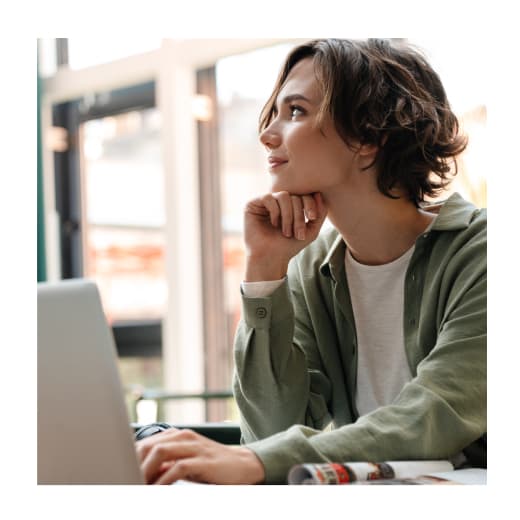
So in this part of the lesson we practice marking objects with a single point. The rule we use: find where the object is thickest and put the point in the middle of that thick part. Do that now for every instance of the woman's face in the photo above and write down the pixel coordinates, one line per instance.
(304, 158)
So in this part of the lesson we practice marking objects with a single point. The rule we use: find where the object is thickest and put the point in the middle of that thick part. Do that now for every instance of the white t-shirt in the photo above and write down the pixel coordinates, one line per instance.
(377, 296)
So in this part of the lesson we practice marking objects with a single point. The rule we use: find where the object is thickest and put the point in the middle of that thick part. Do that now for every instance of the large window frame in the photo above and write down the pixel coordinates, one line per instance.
(136, 338)
(216, 341)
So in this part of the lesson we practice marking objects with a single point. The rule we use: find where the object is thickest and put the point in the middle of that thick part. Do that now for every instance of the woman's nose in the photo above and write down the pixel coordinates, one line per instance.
(270, 137)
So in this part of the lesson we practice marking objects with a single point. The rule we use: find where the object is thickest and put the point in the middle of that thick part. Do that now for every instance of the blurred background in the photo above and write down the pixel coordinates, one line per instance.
(147, 153)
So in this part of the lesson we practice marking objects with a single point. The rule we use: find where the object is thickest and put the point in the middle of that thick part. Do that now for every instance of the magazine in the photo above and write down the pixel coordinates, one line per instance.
(385, 473)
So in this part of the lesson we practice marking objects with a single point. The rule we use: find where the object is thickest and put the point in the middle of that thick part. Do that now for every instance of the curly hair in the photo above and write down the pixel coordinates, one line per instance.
(385, 93)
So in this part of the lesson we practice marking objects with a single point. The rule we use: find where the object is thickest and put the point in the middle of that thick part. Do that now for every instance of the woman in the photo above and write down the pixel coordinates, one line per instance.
(366, 341)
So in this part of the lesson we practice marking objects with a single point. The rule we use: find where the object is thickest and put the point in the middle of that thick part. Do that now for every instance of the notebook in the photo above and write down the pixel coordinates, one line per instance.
(84, 433)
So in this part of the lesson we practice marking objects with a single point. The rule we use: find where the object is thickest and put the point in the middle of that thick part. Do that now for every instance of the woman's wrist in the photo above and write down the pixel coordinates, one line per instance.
(252, 468)
(264, 269)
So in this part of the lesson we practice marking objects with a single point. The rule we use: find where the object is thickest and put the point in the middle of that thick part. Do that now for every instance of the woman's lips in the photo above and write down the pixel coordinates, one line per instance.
(274, 163)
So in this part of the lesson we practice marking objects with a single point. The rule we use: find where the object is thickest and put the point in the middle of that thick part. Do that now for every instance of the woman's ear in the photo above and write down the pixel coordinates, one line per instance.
(370, 148)
(367, 149)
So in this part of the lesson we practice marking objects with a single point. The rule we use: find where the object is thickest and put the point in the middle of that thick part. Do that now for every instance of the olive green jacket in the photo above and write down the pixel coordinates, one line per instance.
(296, 356)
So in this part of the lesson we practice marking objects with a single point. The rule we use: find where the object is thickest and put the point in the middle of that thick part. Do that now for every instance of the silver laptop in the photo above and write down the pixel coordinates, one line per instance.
(84, 434)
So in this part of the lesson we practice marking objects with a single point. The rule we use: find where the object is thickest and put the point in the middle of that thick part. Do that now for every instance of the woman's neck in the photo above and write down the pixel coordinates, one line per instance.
(376, 228)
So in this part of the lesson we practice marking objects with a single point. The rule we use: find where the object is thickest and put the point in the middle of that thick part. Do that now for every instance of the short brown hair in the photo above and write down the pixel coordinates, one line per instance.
(384, 92)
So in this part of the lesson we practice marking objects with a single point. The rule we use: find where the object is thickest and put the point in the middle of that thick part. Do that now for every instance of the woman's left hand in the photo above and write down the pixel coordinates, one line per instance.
(185, 455)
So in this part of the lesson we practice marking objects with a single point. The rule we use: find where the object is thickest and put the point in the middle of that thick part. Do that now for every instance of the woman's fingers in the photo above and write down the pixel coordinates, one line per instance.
(294, 211)
(184, 454)
(144, 446)
(286, 211)
(319, 211)
(183, 469)
(301, 215)
(309, 206)
(273, 208)
(298, 217)
(165, 452)
(155, 450)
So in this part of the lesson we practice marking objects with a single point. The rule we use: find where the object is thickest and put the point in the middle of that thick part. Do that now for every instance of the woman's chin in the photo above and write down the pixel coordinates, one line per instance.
(277, 185)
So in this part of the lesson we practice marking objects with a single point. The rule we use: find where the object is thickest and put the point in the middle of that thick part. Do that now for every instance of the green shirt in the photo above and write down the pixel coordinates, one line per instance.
(296, 360)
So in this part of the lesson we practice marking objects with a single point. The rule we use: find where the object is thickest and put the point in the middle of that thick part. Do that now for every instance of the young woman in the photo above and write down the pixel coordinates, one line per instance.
(366, 341)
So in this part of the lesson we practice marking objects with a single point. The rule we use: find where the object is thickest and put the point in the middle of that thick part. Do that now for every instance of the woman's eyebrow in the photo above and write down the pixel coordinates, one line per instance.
(295, 97)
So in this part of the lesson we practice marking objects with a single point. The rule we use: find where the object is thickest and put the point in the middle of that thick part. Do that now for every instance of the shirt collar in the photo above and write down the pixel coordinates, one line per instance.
(452, 214)
(335, 260)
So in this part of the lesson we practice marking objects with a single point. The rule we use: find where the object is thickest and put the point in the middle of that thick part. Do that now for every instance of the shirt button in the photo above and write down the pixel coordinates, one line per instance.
(261, 312)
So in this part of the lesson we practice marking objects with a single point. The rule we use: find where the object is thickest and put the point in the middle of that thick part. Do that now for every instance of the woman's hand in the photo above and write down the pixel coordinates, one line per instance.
(185, 455)
(277, 227)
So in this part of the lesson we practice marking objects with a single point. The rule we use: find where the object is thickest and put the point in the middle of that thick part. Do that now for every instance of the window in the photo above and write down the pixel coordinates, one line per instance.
(124, 213)
(109, 188)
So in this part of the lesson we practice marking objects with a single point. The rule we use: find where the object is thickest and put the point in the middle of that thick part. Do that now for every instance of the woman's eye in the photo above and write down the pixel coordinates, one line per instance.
(296, 111)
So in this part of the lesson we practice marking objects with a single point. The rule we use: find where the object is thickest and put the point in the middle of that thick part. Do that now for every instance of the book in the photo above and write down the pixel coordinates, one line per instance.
(385, 473)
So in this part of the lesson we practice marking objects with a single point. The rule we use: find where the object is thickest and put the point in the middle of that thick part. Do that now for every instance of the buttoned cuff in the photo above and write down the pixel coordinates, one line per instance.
(262, 313)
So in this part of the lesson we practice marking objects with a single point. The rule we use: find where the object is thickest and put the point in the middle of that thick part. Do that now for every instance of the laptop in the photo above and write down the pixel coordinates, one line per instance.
(84, 433)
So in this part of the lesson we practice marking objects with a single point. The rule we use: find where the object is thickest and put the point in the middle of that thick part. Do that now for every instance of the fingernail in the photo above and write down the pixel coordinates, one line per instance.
(300, 234)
